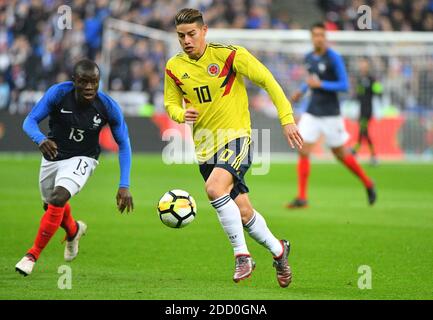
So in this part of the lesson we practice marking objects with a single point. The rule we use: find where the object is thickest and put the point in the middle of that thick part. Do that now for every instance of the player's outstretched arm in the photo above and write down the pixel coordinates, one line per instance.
(121, 136)
(248, 65)
(123, 197)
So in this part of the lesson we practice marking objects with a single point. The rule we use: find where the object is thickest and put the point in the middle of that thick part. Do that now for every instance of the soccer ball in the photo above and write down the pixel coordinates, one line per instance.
(177, 208)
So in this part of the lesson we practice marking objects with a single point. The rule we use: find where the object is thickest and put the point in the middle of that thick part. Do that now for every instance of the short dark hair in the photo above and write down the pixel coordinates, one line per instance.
(320, 25)
(187, 16)
(85, 65)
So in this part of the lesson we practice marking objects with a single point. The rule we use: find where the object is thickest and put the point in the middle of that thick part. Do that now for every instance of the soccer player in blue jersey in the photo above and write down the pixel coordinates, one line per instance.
(77, 112)
(327, 77)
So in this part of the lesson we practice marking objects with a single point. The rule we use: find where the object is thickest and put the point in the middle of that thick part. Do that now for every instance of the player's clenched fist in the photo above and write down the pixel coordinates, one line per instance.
(48, 148)
(293, 136)
(191, 115)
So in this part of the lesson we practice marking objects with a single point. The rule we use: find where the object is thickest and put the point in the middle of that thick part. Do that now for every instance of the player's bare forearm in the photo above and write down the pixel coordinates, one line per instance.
(124, 200)
(48, 148)
(293, 136)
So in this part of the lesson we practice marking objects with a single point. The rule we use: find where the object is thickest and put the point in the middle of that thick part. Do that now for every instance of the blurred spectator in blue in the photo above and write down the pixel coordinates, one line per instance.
(93, 26)
(258, 18)
(34, 52)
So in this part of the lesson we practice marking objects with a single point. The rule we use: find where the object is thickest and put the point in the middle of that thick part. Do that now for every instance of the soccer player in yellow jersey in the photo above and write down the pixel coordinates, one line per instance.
(204, 86)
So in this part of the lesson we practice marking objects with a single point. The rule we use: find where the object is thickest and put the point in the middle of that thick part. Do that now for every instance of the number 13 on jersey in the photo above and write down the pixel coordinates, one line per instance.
(76, 135)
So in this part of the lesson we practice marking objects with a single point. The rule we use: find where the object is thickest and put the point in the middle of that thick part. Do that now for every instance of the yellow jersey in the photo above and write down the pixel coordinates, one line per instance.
(214, 86)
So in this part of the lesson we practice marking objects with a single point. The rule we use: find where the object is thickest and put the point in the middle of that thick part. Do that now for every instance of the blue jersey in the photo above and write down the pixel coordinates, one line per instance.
(75, 128)
(331, 71)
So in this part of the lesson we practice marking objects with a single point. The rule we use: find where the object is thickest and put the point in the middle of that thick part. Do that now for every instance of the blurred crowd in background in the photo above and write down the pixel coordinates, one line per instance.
(387, 15)
(35, 53)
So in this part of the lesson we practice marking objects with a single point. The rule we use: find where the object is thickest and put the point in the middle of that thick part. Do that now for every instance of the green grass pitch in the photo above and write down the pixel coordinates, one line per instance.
(136, 257)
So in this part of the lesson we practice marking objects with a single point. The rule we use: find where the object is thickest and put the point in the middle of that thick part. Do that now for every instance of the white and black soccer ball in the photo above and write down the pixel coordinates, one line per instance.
(177, 208)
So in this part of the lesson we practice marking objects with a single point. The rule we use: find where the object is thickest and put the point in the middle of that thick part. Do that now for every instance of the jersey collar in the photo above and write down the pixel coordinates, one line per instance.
(202, 56)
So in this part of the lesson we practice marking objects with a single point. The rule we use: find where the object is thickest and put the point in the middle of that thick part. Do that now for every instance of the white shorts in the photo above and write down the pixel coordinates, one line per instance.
(332, 127)
(71, 174)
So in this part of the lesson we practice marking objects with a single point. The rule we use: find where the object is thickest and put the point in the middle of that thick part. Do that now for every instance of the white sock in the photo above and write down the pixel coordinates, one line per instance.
(259, 231)
(230, 219)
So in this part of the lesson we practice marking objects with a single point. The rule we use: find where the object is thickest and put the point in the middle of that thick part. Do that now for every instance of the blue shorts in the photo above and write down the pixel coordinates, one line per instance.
(235, 157)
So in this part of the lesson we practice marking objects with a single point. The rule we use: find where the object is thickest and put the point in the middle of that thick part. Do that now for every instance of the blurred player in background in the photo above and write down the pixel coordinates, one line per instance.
(208, 78)
(366, 87)
(77, 112)
(327, 76)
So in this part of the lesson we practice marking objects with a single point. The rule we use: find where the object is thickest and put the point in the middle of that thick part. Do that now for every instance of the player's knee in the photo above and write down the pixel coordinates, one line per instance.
(214, 191)
(57, 200)
(339, 154)
(59, 197)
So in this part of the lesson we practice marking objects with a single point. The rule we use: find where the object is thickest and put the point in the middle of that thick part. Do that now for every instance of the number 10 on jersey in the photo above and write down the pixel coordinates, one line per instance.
(203, 94)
